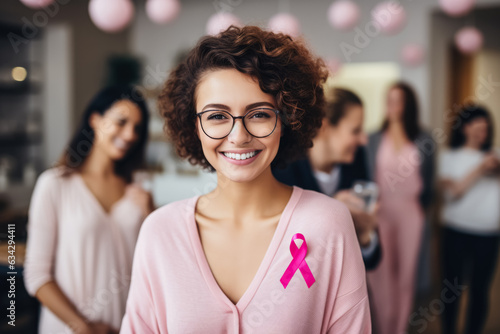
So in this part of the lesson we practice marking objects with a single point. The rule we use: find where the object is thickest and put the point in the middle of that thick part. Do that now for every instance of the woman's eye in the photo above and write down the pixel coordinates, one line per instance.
(260, 114)
(217, 116)
(121, 122)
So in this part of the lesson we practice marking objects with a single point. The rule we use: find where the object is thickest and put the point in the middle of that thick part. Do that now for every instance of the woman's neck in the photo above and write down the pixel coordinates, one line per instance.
(319, 157)
(396, 130)
(247, 201)
(472, 145)
(395, 126)
(98, 164)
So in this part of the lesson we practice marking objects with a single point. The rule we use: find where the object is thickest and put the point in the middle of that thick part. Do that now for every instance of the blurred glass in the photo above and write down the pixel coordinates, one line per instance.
(368, 192)
(144, 179)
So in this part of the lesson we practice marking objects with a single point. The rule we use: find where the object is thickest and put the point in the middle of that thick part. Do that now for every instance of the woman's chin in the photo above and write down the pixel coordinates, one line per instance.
(347, 158)
(239, 177)
(117, 155)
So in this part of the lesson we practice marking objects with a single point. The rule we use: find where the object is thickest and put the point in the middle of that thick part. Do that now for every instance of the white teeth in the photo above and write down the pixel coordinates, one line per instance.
(237, 156)
(120, 144)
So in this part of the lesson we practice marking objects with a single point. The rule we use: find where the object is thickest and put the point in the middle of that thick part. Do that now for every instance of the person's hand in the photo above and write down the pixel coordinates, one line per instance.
(352, 201)
(490, 164)
(142, 198)
(102, 328)
(96, 328)
(365, 223)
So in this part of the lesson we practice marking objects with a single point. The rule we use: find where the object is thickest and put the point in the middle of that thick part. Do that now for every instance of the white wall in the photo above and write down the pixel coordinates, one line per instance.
(57, 85)
(370, 81)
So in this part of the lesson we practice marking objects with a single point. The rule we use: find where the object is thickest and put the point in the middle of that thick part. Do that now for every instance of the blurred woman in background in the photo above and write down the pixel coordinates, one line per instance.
(85, 216)
(403, 169)
(335, 162)
(469, 176)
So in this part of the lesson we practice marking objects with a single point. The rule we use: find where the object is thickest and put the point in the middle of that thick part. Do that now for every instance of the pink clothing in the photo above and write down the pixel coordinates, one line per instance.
(86, 251)
(401, 221)
(174, 291)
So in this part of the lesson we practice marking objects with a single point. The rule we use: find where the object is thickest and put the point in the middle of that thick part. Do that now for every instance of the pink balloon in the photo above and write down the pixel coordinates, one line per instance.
(390, 16)
(343, 14)
(220, 22)
(37, 3)
(334, 65)
(413, 54)
(469, 40)
(111, 15)
(284, 23)
(163, 11)
(456, 7)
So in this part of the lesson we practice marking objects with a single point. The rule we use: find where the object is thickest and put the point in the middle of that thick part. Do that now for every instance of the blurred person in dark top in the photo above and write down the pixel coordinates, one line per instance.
(335, 162)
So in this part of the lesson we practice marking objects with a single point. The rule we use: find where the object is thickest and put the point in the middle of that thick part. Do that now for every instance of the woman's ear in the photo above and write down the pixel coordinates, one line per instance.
(465, 129)
(324, 125)
(94, 120)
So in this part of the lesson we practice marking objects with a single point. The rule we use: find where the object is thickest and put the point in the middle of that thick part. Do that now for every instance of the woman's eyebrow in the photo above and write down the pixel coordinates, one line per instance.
(258, 104)
(216, 106)
(248, 107)
(116, 115)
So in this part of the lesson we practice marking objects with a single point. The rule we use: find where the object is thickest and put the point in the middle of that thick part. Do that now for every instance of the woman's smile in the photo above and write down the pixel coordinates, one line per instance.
(241, 157)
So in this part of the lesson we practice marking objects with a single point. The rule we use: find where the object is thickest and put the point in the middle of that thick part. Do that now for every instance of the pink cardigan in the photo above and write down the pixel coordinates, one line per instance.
(173, 290)
(86, 251)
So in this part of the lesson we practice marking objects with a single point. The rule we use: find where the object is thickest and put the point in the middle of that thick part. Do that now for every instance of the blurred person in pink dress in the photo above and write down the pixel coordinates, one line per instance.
(242, 101)
(84, 219)
(402, 165)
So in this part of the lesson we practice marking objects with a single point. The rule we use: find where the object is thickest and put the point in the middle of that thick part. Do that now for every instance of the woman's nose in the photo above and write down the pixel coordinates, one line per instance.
(129, 133)
(239, 134)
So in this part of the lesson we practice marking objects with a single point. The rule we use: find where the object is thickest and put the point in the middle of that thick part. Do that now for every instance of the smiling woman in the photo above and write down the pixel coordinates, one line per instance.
(116, 122)
(256, 135)
(242, 101)
(284, 70)
(85, 217)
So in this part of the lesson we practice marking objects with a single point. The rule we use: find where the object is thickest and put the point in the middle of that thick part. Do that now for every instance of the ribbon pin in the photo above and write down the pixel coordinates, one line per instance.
(298, 262)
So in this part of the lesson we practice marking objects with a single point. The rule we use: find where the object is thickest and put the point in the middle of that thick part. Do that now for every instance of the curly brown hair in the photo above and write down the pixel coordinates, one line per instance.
(284, 68)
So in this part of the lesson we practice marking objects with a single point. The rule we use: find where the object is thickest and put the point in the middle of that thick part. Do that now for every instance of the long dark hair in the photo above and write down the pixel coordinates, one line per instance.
(81, 144)
(465, 116)
(336, 107)
(411, 123)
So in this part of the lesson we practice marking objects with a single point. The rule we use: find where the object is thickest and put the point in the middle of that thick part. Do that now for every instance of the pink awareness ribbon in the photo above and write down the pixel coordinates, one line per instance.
(298, 262)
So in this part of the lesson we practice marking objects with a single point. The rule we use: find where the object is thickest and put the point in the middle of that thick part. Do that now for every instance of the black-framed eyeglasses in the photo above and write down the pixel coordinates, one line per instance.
(259, 122)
